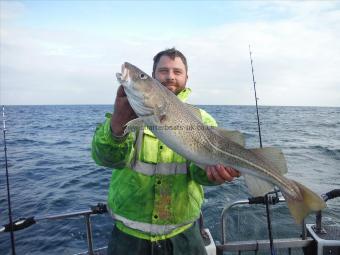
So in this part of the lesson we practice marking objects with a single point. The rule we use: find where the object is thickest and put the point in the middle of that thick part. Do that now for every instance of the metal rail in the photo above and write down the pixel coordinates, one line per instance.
(258, 245)
(86, 214)
(26, 222)
(224, 212)
(263, 245)
(63, 215)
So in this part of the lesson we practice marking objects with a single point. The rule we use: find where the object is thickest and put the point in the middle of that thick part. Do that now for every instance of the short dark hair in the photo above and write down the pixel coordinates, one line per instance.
(171, 53)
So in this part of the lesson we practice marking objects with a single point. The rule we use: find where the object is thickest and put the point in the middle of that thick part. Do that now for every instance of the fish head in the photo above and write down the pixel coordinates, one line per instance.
(140, 88)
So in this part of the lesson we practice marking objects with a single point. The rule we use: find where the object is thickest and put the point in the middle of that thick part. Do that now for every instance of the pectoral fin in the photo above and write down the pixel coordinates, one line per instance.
(134, 125)
(160, 113)
(194, 110)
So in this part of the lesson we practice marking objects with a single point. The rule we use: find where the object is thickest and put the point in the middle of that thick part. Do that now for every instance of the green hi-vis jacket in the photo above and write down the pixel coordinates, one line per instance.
(154, 192)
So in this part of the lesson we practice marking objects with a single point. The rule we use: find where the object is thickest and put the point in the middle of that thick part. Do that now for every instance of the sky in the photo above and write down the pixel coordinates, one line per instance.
(67, 52)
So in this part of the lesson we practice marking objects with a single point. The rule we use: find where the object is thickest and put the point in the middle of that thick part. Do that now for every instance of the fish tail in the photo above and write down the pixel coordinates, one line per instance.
(307, 202)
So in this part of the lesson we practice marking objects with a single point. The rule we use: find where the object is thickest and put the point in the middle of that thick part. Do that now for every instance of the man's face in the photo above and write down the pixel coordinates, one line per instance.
(171, 73)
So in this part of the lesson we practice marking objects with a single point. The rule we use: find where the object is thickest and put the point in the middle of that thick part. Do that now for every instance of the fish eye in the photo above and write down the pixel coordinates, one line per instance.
(143, 76)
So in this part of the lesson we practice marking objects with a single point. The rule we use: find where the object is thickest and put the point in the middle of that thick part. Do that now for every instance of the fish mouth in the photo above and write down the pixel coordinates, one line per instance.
(123, 77)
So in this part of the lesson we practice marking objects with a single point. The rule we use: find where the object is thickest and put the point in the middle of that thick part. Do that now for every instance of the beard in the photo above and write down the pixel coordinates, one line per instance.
(173, 86)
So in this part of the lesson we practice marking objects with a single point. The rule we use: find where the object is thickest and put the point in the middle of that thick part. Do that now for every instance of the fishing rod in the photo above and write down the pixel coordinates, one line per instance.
(266, 197)
(7, 182)
(256, 98)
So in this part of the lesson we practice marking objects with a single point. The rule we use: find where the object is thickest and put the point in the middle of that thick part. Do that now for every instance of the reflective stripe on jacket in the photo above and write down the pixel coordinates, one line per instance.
(154, 192)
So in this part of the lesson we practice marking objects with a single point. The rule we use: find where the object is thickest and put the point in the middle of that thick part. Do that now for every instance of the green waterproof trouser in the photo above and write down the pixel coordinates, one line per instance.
(188, 242)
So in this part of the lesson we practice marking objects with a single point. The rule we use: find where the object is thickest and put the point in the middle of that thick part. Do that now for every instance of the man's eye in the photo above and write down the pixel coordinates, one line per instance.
(143, 76)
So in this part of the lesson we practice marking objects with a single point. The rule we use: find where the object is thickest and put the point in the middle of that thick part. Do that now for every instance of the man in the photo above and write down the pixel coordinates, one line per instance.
(155, 208)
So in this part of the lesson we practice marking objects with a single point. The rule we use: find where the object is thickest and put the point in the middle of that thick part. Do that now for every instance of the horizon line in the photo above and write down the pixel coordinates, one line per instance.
(192, 104)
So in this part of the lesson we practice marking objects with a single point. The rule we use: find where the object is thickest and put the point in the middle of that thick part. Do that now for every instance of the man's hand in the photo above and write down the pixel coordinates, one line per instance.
(220, 174)
(122, 114)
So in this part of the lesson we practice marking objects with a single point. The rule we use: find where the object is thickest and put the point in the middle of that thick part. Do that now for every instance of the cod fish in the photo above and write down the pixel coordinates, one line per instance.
(179, 126)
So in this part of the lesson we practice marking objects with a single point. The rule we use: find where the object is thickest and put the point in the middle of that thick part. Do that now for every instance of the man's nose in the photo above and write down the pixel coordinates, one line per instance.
(171, 75)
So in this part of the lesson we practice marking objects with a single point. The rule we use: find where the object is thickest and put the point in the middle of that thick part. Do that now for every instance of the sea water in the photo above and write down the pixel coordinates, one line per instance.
(51, 172)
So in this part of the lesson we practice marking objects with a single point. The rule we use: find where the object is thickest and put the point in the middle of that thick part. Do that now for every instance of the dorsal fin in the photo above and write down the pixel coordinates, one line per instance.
(232, 135)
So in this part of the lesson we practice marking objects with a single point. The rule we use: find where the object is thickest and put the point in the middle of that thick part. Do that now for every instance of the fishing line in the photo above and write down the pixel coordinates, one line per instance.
(7, 183)
(269, 226)
(256, 98)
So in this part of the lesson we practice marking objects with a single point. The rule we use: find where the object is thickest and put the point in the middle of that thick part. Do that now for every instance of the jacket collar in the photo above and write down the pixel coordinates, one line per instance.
(184, 94)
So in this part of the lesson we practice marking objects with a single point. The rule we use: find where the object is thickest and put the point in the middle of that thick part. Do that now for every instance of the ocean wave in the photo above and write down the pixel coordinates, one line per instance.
(64, 142)
(26, 141)
(327, 150)
(329, 125)
(321, 148)
(70, 183)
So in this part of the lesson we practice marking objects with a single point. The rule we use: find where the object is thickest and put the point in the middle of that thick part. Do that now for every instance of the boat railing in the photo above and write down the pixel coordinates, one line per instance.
(100, 208)
(326, 238)
(227, 246)
(258, 245)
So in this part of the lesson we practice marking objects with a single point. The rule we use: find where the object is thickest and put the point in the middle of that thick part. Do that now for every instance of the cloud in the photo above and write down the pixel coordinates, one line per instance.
(296, 57)
(11, 10)
(296, 60)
